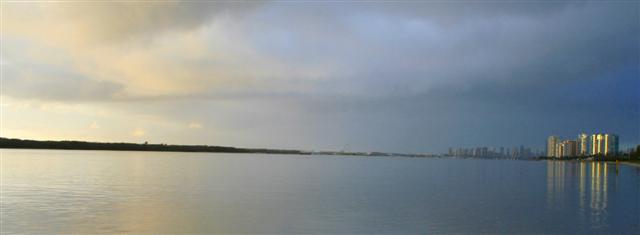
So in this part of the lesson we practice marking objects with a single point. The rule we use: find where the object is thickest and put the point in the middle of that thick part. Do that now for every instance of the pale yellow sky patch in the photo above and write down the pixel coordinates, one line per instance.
(195, 125)
(138, 132)
(94, 125)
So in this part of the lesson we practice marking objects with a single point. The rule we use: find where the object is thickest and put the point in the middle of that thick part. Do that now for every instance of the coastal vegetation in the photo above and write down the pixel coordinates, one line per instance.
(82, 145)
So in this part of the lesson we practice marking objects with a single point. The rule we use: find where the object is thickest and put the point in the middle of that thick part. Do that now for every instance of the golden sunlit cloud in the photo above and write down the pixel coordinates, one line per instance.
(157, 50)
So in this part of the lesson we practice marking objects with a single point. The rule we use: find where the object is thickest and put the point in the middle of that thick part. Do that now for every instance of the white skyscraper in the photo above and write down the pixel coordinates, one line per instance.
(552, 145)
(583, 144)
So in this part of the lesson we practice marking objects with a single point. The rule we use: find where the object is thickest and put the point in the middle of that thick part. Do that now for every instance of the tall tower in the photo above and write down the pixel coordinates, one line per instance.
(583, 144)
(596, 144)
(552, 144)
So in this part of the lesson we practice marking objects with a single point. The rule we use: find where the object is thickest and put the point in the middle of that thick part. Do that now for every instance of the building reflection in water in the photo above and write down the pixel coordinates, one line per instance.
(590, 178)
(555, 183)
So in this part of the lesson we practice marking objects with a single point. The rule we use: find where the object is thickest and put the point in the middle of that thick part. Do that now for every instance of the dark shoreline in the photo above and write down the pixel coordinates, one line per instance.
(6, 143)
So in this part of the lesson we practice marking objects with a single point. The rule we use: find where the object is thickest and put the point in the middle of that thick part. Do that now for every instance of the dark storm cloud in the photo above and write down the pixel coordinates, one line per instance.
(374, 49)
(472, 74)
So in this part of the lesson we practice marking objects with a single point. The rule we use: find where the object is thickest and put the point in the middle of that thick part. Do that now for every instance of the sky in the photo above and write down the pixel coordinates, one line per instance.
(412, 77)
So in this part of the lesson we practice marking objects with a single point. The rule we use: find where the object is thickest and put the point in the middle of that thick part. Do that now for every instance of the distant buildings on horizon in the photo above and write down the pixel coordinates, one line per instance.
(584, 145)
(501, 152)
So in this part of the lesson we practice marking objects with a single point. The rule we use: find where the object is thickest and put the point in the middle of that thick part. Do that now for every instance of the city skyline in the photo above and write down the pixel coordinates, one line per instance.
(605, 144)
(407, 77)
(505, 152)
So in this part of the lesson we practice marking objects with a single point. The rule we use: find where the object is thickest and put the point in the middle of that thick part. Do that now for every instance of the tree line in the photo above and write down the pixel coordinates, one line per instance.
(83, 145)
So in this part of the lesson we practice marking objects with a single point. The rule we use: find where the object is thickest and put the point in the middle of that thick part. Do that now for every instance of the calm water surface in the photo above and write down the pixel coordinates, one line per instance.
(89, 192)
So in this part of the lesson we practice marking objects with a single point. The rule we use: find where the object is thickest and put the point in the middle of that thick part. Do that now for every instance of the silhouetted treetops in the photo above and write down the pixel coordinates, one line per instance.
(82, 145)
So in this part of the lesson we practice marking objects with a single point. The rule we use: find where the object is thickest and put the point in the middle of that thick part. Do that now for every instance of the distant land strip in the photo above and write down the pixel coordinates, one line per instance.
(9, 143)
(83, 145)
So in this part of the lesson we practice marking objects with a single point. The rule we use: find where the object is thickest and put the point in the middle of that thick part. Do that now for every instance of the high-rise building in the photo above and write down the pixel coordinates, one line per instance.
(567, 148)
(611, 144)
(596, 143)
(559, 149)
(583, 144)
(604, 144)
(552, 144)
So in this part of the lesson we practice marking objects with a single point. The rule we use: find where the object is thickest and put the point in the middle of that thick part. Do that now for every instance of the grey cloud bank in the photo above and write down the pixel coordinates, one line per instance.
(406, 77)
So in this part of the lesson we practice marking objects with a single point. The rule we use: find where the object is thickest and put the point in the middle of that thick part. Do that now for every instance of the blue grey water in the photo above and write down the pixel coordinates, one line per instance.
(92, 192)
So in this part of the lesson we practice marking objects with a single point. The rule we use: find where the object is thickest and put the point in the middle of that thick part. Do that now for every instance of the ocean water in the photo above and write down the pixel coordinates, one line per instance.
(93, 192)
